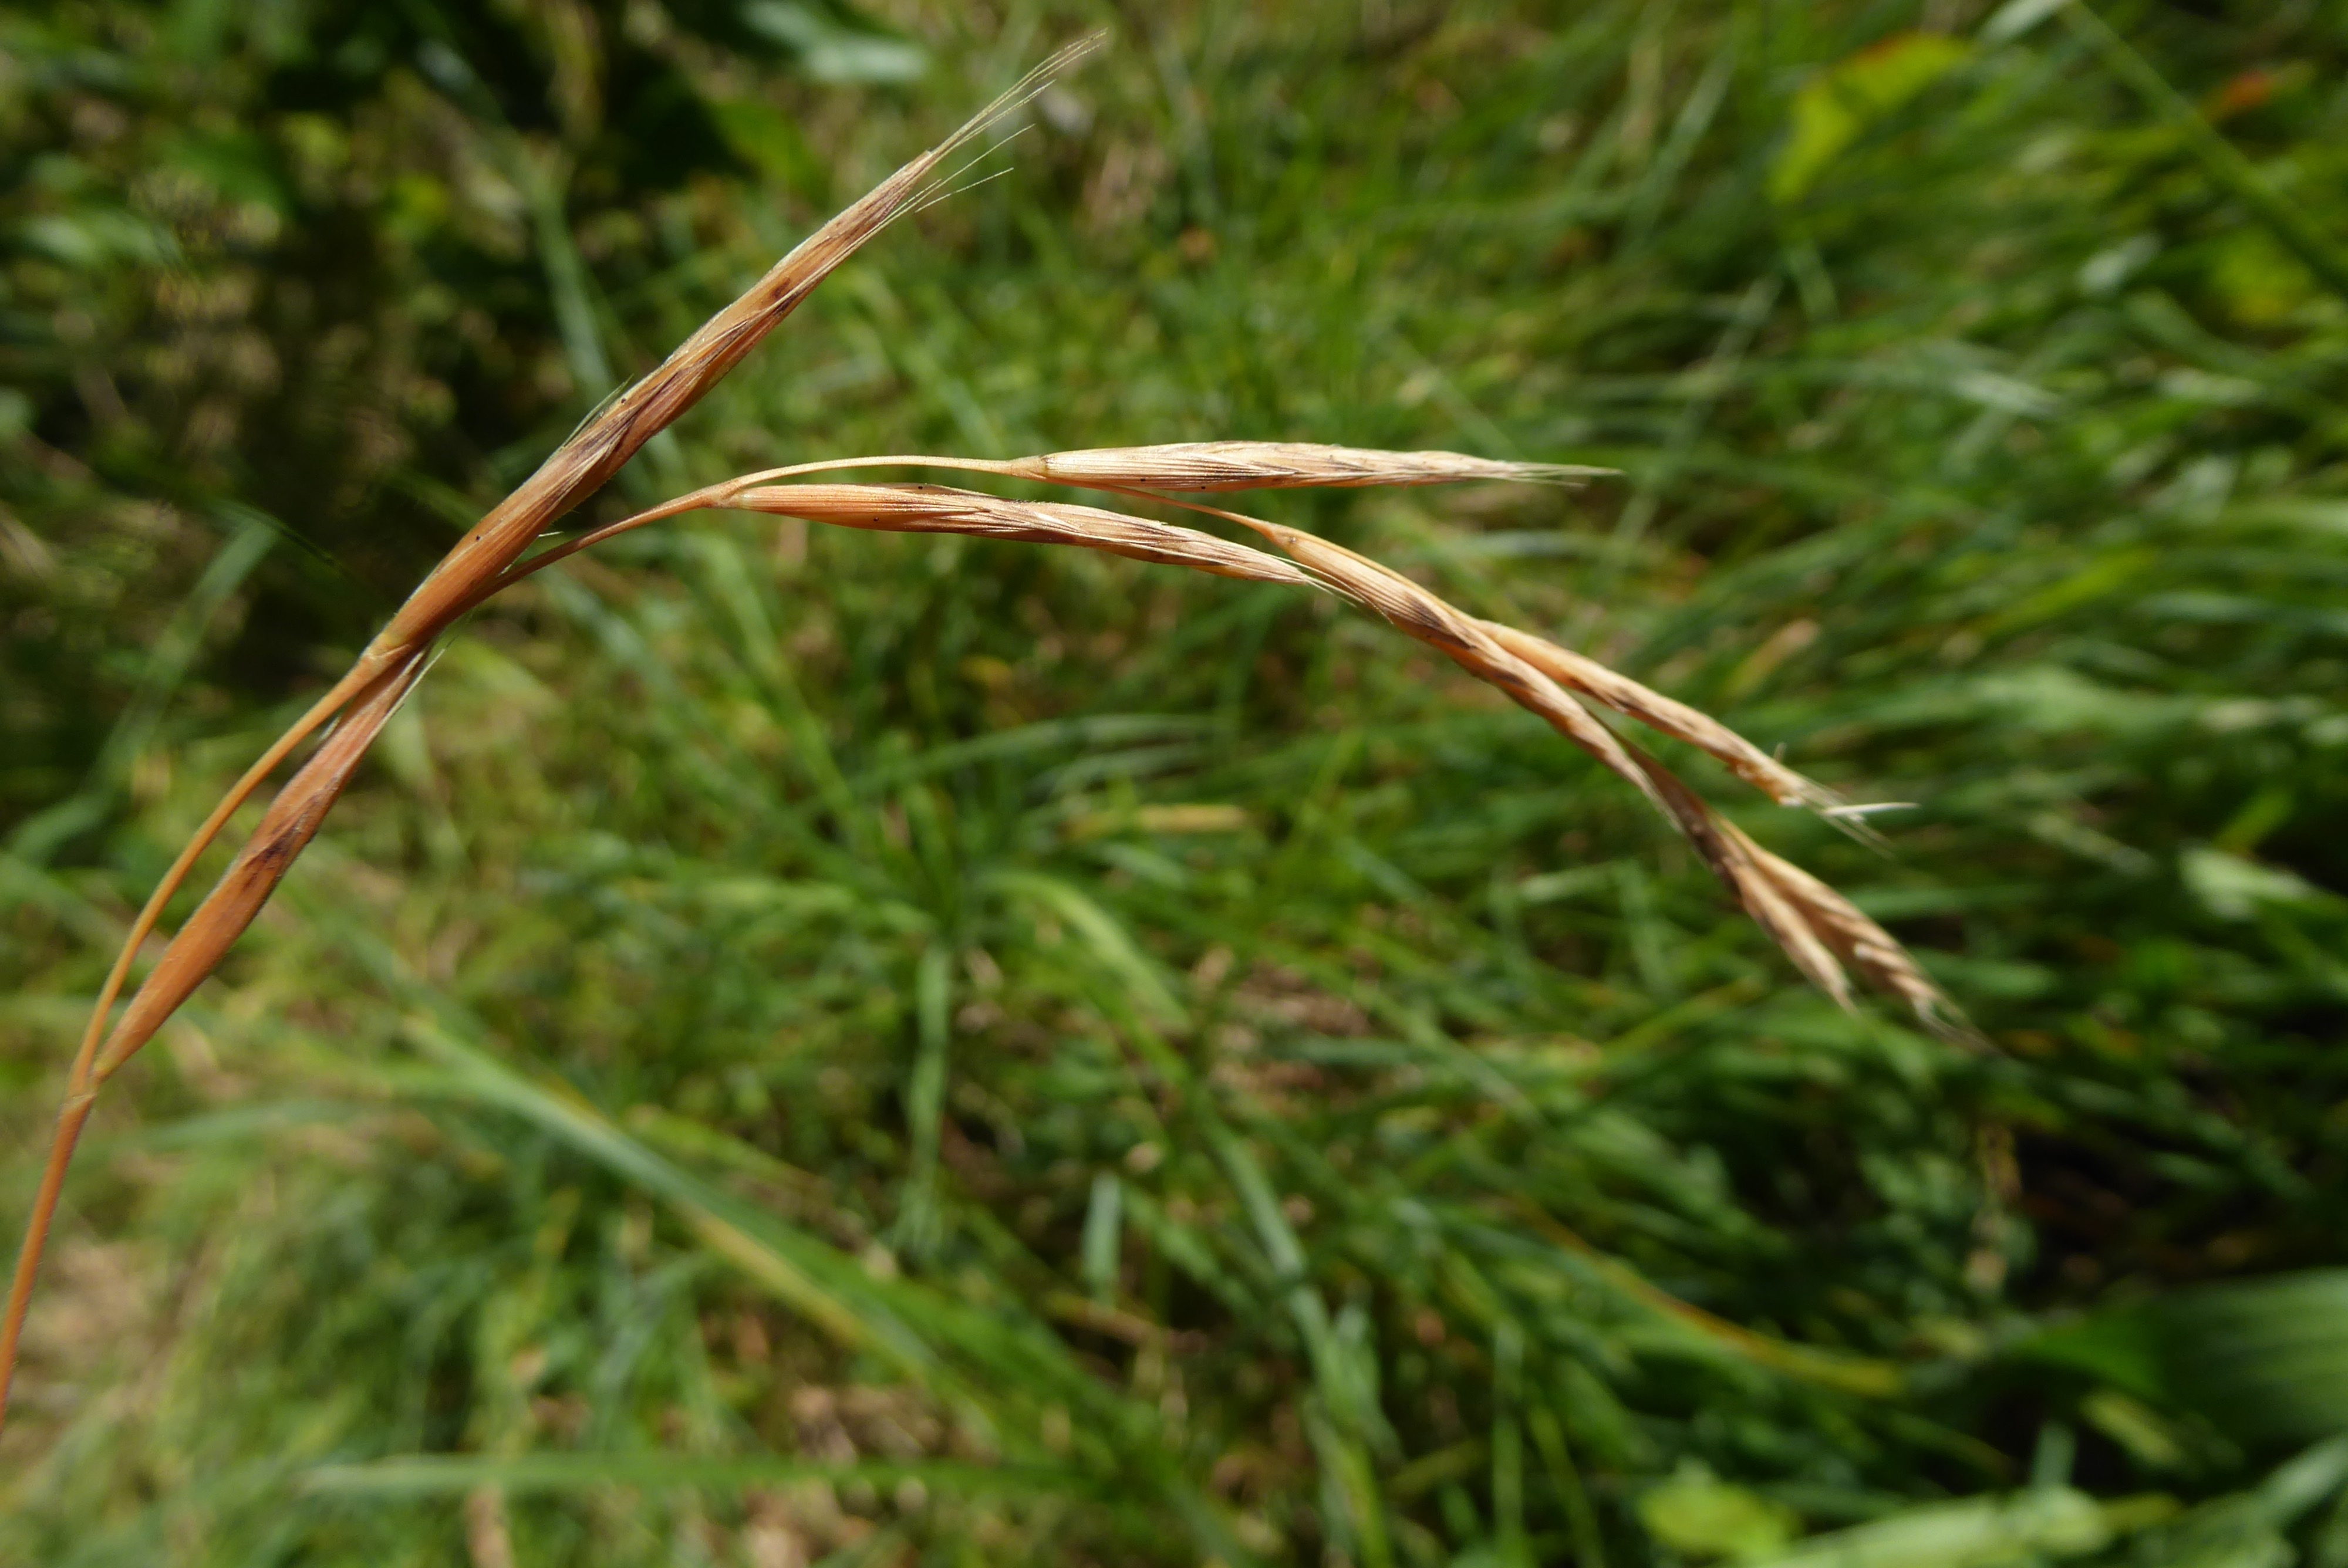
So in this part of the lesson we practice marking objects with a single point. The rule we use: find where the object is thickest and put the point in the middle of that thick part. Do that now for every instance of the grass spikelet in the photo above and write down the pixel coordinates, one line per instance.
(931, 508)
(1209, 466)
(1818, 929)
(1203, 466)
(1871, 950)
(1421, 615)
(1668, 717)
(391, 661)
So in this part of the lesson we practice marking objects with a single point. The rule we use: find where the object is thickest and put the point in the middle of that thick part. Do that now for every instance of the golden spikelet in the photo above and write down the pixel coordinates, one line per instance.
(1203, 465)
(1226, 465)
(1821, 933)
(936, 509)
(391, 662)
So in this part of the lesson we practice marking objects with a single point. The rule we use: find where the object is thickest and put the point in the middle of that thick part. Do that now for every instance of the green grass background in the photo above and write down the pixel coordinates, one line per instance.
(811, 1047)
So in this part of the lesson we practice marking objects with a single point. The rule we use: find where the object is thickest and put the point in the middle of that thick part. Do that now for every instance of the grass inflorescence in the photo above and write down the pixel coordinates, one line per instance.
(821, 1029)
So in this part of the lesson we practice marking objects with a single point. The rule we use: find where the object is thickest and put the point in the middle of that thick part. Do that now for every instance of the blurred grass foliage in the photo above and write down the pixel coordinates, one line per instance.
(880, 1050)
